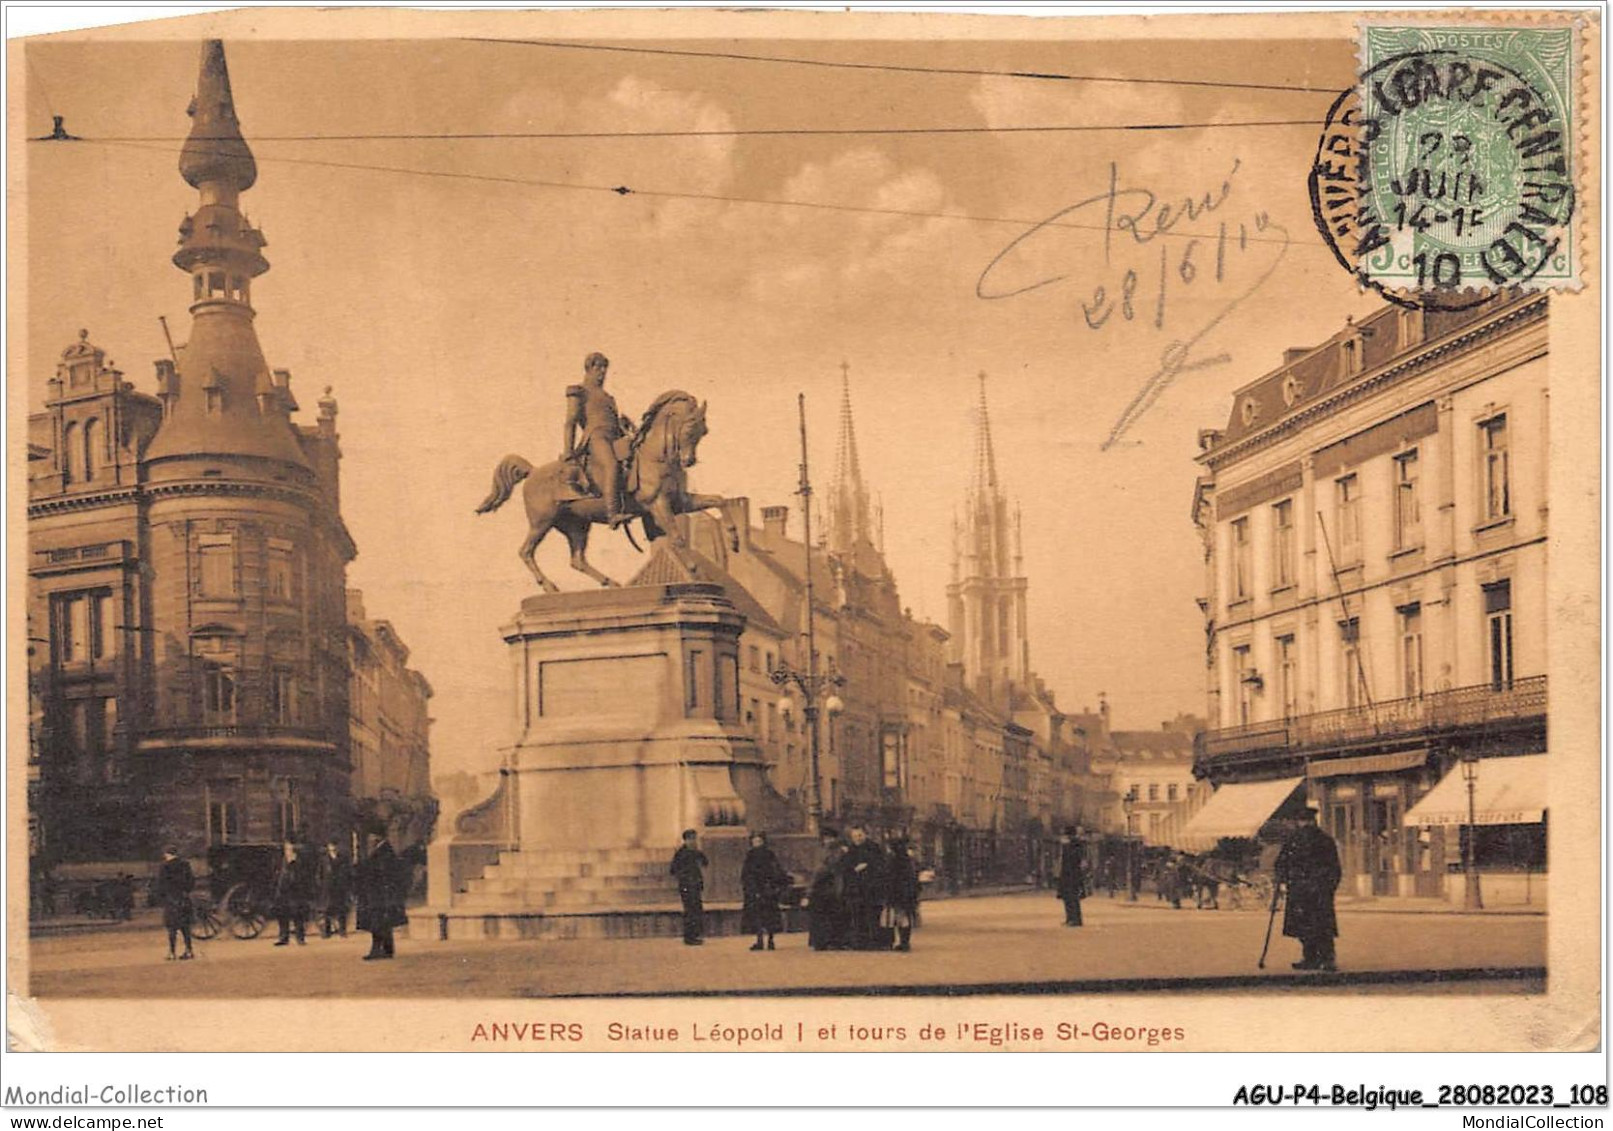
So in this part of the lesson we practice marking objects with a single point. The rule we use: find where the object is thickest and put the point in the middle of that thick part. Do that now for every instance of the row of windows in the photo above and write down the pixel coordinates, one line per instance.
(221, 686)
(1343, 542)
(83, 627)
(225, 803)
(217, 576)
(81, 450)
(1411, 675)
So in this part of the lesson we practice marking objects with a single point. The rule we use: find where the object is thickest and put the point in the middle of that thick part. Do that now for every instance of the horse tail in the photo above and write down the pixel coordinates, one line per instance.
(510, 471)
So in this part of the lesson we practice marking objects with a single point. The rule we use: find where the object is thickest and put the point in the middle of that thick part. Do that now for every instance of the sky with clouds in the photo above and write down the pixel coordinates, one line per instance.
(450, 306)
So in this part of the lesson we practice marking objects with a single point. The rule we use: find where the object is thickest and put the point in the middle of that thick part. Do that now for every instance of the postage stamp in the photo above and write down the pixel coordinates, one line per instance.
(1448, 171)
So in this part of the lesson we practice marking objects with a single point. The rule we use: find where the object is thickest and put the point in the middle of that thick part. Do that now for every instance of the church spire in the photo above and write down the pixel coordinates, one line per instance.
(849, 514)
(222, 400)
(985, 470)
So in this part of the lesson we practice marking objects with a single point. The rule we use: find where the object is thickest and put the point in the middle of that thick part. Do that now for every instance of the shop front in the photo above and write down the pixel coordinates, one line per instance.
(1490, 813)
(1363, 801)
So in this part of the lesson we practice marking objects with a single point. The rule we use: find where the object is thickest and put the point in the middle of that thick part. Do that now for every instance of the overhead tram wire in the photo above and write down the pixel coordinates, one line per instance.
(973, 72)
(672, 194)
(803, 131)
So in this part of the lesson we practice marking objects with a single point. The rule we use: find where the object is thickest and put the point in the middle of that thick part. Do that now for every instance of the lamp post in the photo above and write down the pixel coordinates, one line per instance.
(1473, 897)
(812, 684)
(1129, 803)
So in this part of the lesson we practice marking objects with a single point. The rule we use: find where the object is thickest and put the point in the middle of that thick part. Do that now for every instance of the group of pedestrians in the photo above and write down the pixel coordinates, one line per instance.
(325, 882)
(308, 883)
(864, 896)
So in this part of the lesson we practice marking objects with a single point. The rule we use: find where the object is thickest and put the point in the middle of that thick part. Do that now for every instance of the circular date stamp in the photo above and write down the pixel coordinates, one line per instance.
(1447, 173)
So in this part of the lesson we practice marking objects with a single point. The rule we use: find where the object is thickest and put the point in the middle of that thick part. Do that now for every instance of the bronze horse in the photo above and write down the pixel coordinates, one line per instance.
(654, 488)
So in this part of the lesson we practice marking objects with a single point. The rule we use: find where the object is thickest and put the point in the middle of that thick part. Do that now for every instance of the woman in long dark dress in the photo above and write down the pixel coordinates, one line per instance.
(762, 879)
(902, 892)
(1072, 876)
(826, 912)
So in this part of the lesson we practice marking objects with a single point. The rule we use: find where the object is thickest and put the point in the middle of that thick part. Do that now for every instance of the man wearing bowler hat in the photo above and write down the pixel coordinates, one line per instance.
(1308, 866)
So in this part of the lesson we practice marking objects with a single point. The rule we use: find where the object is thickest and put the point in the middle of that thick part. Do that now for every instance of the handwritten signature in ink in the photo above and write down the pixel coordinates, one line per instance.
(1134, 219)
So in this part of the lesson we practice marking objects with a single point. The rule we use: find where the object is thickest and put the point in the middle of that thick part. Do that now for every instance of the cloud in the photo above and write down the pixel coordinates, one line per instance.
(837, 255)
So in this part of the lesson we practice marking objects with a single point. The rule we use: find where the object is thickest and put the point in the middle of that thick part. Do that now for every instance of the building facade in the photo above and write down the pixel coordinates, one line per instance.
(979, 769)
(187, 608)
(1375, 518)
(389, 705)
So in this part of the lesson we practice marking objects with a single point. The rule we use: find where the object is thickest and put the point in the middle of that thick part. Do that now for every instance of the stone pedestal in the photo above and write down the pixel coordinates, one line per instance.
(629, 731)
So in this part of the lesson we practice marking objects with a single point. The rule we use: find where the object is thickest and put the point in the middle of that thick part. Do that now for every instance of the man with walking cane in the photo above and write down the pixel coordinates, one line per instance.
(1308, 867)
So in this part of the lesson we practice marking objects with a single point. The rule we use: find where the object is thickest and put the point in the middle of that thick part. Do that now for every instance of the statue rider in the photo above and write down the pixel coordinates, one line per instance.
(592, 410)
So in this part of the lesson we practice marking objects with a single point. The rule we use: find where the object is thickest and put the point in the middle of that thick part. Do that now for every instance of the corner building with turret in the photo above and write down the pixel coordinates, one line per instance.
(187, 569)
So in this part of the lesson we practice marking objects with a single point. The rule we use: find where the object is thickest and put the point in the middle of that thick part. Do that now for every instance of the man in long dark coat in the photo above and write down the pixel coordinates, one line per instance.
(826, 913)
(336, 888)
(1308, 866)
(175, 882)
(864, 872)
(381, 894)
(294, 885)
(688, 868)
(762, 879)
(1072, 875)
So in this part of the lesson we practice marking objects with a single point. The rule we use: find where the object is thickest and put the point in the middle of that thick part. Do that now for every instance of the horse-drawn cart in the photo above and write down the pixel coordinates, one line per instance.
(240, 890)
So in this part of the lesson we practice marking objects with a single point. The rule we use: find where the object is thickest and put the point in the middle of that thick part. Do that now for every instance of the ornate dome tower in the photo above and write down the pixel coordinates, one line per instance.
(248, 739)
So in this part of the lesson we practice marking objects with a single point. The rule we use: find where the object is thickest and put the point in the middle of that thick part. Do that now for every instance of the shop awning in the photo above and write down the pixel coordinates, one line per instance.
(1366, 764)
(1236, 810)
(1506, 791)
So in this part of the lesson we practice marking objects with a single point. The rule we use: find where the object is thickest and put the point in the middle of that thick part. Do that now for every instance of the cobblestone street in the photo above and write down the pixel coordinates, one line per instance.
(1009, 943)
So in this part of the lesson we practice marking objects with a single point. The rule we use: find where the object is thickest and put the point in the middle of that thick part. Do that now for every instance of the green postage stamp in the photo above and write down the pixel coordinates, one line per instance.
(1465, 151)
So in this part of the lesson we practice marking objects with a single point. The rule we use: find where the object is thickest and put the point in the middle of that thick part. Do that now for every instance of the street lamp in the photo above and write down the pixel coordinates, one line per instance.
(1129, 803)
(1473, 898)
(812, 684)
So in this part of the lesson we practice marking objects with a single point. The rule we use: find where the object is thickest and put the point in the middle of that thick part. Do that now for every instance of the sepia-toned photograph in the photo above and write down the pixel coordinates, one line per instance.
(884, 526)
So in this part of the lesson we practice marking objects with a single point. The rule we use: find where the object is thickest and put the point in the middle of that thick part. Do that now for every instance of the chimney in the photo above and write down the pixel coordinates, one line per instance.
(775, 521)
(740, 514)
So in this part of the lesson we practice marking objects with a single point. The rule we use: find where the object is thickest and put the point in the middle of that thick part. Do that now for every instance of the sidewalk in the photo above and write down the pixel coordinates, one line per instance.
(1352, 905)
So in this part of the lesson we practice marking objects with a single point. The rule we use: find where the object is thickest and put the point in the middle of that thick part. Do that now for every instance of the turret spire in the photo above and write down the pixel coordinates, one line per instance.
(223, 400)
(849, 514)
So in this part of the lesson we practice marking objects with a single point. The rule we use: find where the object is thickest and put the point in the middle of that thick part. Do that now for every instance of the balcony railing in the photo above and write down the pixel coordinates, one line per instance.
(1437, 711)
(257, 731)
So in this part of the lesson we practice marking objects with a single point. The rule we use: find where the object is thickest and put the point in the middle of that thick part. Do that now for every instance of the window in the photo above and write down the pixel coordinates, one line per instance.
(287, 810)
(70, 444)
(218, 657)
(1497, 479)
(754, 655)
(215, 283)
(1153, 791)
(1288, 675)
(1242, 672)
(1347, 508)
(1170, 792)
(280, 565)
(282, 696)
(215, 570)
(1351, 674)
(1408, 508)
(92, 442)
(771, 733)
(694, 681)
(1498, 625)
(223, 813)
(890, 760)
(1240, 559)
(1282, 545)
(1002, 628)
(770, 661)
(83, 627)
(1411, 328)
(1411, 651)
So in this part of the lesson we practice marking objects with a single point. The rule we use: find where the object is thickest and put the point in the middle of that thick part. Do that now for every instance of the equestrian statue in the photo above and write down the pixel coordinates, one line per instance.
(610, 473)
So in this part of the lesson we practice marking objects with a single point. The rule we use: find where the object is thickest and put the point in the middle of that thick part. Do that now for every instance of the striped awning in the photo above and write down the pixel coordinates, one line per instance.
(1506, 791)
(1236, 810)
(1366, 764)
